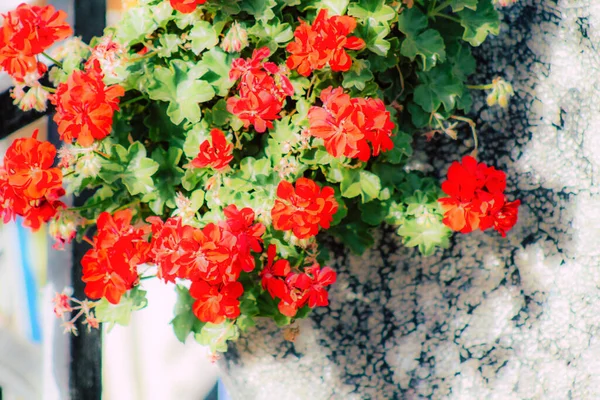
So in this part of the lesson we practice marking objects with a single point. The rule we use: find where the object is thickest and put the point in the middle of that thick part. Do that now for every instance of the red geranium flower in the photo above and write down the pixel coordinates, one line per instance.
(262, 90)
(26, 32)
(110, 267)
(186, 6)
(314, 280)
(273, 275)
(217, 155)
(476, 198)
(347, 125)
(85, 106)
(214, 255)
(325, 42)
(215, 303)
(248, 235)
(304, 208)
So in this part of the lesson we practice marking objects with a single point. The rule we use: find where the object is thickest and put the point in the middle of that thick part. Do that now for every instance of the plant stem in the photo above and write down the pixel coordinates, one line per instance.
(481, 87)
(102, 154)
(56, 62)
(440, 8)
(446, 17)
(132, 100)
(48, 89)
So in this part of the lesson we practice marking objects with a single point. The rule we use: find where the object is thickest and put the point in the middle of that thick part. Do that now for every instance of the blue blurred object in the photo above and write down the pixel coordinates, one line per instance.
(222, 391)
(30, 281)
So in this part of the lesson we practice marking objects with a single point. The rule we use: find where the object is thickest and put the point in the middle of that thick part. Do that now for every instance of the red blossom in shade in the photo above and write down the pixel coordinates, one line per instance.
(85, 106)
(186, 6)
(323, 43)
(314, 280)
(215, 303)
(274, 273)
(476, 198)
(347, 125)
(303, 209)
(262, 90)
(248, 235)
(26, 32)
(29, 185)
(217, 155)
(110, 267)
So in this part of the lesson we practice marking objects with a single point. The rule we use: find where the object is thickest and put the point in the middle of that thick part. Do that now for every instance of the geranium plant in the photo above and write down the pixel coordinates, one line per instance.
(222, 139)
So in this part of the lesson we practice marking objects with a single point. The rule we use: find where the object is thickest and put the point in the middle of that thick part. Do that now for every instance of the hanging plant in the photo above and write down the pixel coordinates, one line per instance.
(223, 139)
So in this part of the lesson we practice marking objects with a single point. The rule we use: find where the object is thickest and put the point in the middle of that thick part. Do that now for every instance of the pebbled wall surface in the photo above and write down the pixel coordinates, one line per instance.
(517, 318)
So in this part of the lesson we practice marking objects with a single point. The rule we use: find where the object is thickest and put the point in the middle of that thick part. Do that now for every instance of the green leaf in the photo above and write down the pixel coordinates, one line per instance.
(338, 7)
(370, 185)
(217, 64)
(216, 336)
(424, 43)
(376, 10)
(426, 234)
(374, 37)
(355, 235)
(478, 24)
(136, 23)
(374, 212)
(437, 87)
(203, 36)
(262, 10)
(402, 148)
(198, 134)
(358, 75)
(120, 313)
(169, 44)
(180, 86)
(161, 128)
(166, 179)
(184, 319)
(131, 166)
(271, 34)
(459, 5)
(463, 62)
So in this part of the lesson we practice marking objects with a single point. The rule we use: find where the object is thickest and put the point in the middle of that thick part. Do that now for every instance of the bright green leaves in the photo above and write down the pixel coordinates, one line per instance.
(132, 167)
(427, 44)
(375, 10)
(179, 84)
(480, 22)
(120, 313)
(136, 23)
(203, 36)
(217, 63)
(272, 34)
(337, 7)
(216, 336)
(262, 10)
(363, 183)
(358, 75)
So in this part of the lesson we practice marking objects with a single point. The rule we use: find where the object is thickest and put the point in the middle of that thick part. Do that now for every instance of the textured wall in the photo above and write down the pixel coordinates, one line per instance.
(488, 318)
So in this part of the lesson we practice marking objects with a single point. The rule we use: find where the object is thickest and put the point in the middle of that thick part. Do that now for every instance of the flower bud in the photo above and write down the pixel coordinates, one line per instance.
(36, 98)
(235, 40)
(89, 165)
(502, 91)
(63, 228)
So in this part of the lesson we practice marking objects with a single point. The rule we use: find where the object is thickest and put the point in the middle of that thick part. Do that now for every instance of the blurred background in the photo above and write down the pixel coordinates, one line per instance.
(143, 361)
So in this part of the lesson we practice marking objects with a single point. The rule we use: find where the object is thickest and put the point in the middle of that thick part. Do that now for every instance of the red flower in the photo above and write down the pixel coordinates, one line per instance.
(217, 155)
(186, 6)
(110, 267)
(314, 280)
(303, 209)
(85, 106)
(248, 235)
(215, 303)
(214, 256)
(263, 89)
(476, 198)
(26, 32)
(325, 42)
(273, 275)
(29, 186)
(347, 125)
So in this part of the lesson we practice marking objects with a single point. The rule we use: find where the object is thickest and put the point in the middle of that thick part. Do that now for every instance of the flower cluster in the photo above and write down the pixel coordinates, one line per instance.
(85, 106)
(109, 54)
(323, 43)
(304, 208)
(29, 186)
(217, 154)
(110, 268)
(295, 289)
(476, 198)
(186, 6)
(63, 306)
(27, 32)
(347, 125)
(262, 90)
